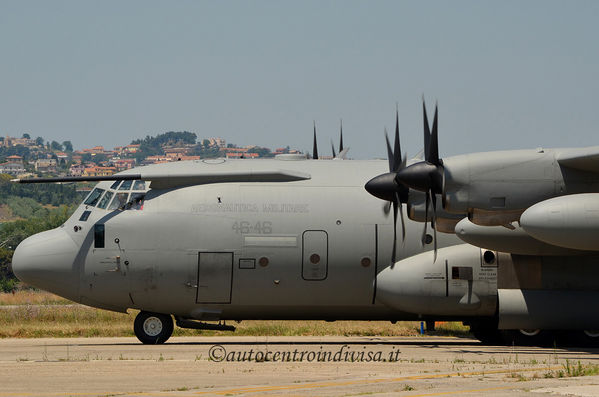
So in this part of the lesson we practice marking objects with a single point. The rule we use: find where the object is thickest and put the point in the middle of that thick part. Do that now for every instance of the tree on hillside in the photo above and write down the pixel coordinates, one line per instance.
(27, 136)
(56, 146)
(39, 141)
(168, 138)
(18, 150)
(68, 146)
(262, 151)
(151, 146)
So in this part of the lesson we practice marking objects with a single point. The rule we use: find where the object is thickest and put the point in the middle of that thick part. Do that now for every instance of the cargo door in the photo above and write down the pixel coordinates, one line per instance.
(315, 255)
(215, 277)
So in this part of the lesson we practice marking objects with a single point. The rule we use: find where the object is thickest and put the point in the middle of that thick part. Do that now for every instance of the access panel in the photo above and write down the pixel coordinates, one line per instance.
(215, 275)
(315, 255)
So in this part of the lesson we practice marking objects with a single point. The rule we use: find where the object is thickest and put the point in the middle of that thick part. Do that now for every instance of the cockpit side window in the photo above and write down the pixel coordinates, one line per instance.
(139, 185)
(115, 185)
(93, 197)
(120, 199)
(136, 202)
(105, 200)
(126, 185)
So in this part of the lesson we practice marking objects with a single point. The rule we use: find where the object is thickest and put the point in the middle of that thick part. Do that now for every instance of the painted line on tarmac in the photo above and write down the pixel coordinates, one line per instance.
(315, 385)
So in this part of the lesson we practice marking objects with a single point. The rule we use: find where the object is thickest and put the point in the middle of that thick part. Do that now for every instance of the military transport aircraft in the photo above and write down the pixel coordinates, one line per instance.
(293, 238)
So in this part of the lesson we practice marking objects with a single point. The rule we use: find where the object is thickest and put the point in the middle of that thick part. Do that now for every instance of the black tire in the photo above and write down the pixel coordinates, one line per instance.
(587, 338)
(523, 337)
(153, 328)
(486, 331)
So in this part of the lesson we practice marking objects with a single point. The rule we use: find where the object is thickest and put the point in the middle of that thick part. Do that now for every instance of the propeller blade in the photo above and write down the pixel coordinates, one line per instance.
(403, 224)
(423, 240)
(341, 137)
(397, 148)
(389, 153)
(315, 147)
(393, 255)
(433, 156)
(434, 224)
(333, 148)
(387, 208)
(427, 132)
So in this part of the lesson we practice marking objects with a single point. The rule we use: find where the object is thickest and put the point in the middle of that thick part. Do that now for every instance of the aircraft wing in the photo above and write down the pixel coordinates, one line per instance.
(586, 159)
(167, 180)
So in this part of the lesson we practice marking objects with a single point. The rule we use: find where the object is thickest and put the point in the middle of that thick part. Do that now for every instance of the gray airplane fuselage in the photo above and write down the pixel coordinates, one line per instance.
(307, 249)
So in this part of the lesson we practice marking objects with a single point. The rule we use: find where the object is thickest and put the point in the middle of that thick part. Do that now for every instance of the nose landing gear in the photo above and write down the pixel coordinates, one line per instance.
(153, 328)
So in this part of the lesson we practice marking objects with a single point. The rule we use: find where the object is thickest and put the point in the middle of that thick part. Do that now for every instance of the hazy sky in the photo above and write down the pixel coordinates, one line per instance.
(506, 74)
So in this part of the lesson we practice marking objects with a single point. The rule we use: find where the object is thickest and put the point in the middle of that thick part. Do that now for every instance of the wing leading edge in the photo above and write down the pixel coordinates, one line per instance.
(176, 179)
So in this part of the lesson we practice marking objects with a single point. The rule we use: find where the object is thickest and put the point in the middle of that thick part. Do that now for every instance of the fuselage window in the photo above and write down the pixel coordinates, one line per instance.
(139, 185)
(93, 198)
(136, 202)
(84, 216)
(115, 185)
(105, 200)
(120, 199)
(126, 185)
(99, 236)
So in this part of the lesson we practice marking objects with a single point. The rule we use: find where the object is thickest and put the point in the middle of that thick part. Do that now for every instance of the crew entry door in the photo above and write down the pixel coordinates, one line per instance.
(215, 276)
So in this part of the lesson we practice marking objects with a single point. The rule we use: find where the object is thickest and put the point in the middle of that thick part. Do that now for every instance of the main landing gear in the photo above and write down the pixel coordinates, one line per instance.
(153, 328)
(486, 331)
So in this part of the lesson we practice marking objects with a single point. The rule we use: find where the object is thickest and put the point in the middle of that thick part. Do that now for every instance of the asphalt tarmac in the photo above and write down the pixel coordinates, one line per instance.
(297, 366)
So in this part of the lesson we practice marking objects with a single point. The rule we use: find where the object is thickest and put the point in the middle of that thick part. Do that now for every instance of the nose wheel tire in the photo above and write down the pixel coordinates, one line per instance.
(153, 328)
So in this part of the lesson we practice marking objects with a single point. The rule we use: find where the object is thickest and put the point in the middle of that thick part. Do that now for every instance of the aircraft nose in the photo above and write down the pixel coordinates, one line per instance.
(46, 260)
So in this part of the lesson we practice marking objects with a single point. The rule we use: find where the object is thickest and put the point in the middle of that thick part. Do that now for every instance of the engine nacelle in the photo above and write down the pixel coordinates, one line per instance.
(567, 221)
(462, 281)
(494, 188)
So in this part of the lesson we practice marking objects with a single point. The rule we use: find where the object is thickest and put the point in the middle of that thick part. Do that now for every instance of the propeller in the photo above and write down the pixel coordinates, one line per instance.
(427, 176)
(386, 187)
(341, 153)
(315, 147)
(341, 136)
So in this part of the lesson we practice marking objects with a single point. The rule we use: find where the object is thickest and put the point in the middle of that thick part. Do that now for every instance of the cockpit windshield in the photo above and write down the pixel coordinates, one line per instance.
(118, 197)
(105, 200)
(126, 185)
(93, 197)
